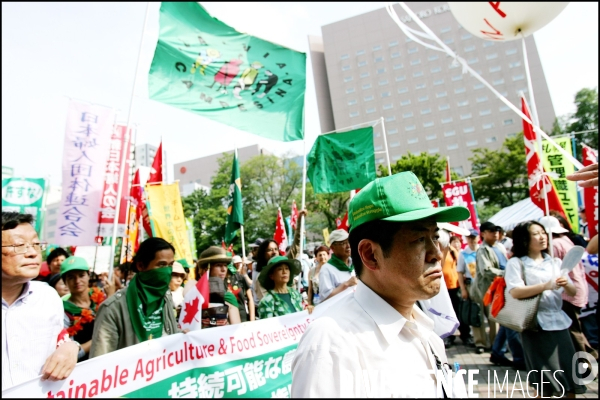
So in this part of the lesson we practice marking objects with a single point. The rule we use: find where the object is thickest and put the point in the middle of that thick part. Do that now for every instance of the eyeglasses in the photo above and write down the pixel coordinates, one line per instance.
(24, 248)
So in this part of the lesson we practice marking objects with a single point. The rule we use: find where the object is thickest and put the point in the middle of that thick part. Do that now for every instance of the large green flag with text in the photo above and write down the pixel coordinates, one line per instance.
(339, 162)
(206, 67)
(235, 215)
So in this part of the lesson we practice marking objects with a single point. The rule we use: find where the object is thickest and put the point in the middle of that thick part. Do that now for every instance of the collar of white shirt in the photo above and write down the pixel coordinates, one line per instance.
(389, 321)
(28, 288)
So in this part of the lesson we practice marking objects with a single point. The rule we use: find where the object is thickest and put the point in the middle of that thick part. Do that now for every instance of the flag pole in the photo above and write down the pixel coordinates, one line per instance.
(124, 155)
(387, 152)
(303, 199)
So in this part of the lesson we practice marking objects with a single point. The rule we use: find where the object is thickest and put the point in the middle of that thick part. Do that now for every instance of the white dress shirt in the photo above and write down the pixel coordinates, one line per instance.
(550, 315)
(30, 329)
(363, 347)
(329, 278)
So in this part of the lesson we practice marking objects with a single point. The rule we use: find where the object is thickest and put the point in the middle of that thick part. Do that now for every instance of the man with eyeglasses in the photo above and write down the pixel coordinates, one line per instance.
(338, 273)
(34, 341)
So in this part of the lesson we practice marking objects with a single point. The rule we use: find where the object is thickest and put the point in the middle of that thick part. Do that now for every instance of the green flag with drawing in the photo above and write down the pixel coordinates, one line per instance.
(25, 195)
(235, 215)
(206, 67)
(339, 162)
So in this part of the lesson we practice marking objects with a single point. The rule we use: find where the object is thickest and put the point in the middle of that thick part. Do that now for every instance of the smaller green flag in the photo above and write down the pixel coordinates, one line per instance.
(340, 162)
(235, 215)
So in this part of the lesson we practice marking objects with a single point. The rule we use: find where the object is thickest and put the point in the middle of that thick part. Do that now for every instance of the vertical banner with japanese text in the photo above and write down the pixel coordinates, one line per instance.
(131, 235)
(106, 218)
(87, 143)
(459, 194)
(189, 224)
(26, 196)
(590, 194)
(167, 219)
(556, 163)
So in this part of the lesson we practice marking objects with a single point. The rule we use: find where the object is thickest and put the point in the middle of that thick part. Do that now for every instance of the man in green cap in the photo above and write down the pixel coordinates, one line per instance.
(378, 335)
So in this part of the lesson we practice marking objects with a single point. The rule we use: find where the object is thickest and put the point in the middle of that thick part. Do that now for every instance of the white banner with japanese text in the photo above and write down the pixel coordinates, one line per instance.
(87, 143)
(253, 359)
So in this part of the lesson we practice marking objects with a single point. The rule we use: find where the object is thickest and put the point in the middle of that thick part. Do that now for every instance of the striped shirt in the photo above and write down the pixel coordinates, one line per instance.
(30, 328)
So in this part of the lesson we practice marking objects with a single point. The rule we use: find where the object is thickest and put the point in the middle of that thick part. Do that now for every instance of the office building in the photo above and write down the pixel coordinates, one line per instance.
(366, 69)
(144, 155)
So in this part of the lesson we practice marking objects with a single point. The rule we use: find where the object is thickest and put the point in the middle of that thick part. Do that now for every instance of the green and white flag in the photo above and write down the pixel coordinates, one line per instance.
(339, 162)
(235, 215)
(26, 196)
(206, 67)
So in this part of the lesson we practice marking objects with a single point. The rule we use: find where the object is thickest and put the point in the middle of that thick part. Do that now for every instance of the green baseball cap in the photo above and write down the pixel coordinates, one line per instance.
(398, 198)
(73, 263)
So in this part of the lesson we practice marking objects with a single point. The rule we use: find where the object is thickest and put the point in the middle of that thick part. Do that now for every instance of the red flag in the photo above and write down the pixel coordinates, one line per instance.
(138, 196)
(157, 164)
(590, 195)
(535, 170)
(343, 224)
(280, 236)
(294, 216)
(448, 175)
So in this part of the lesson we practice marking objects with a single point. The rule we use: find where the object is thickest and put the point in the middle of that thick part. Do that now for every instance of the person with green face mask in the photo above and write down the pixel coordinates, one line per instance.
(144, 309)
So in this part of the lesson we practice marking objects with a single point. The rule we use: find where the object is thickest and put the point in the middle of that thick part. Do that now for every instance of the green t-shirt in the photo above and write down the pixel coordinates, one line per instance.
(230, 298)
(287, 298)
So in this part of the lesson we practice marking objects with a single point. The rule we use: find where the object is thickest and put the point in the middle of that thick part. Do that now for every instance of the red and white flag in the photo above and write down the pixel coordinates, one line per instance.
(342, 223)
(294, 216)
(194, 302)
(538, 179)
(156, 176)
(448, 174)
(590, 195)
(280, 236)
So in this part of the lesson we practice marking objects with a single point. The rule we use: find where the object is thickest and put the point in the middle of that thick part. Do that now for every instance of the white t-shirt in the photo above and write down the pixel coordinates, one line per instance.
(329, 278)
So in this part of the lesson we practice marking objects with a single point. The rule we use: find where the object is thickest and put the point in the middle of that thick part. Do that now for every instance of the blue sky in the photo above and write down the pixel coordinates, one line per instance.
(88, 51)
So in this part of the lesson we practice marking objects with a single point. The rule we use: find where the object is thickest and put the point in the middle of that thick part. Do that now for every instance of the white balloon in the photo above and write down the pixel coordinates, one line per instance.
(501, 21)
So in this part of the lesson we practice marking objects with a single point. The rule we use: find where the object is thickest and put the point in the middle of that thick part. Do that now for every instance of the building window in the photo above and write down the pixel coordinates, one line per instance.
(362, 63)
(489, 125)
(410, 128)
(383, 82)
(514, 64)
(423, 98)
(378, 148)
(395, 54)
(498, 81)
(413, 140)
(360, 52)
(426, 111)
(433, 150)
(431, 137)
(378, 47)
(466, 36)
(453, 66)
(388, 106)
(460, 90)
(463, 103)
(446, 120)
(352, 102)
(407, 114)
(504, 93)
(449, 41)
(380, 70)
(345, 68)
(465, 116)
(366, 86)
(469, 129)
(473, 60)
(518, 77)
(350, 90)
(420, 86)
(364, 74)
(394, 144)
(445, 29)
(495, 69)
(392, 131)
(449, 133)
(511, 135)
(435, 69)
(511, 51)
(443, 107)
(376, 134)
(478, 86)
(398, 66)
(394, 43)
(428, 125)
(433, 57)
(386, 94)
(354, 114)
(413, 50)
(452, 146)
(405, 102)
(344, 57)
(368, 98)
(485, 112)
(481, 99)
(490, 139)
(415, 62)
(508, 122)
(370, 110)
(441, 94)
(472, 143)
(390, 119)
(396, 157)
(469, 49)
(438, 82)
(503, 108)
(379, 161)
(347, 78)
(491, 56)
(407, 39)
(400, 78)
(378, 59)
(488, 44)
(417, 74)
(457, 78)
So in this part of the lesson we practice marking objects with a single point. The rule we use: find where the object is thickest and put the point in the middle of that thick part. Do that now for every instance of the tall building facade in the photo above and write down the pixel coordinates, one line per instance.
(366, 69)
(144, 155)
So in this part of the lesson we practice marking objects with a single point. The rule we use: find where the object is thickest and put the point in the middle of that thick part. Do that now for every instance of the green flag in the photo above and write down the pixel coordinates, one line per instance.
(205, 66)
(25, 195)
(235, 215)
(340, 162)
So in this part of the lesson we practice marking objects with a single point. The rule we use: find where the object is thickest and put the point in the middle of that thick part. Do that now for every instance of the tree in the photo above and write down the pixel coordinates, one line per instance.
(505, 182)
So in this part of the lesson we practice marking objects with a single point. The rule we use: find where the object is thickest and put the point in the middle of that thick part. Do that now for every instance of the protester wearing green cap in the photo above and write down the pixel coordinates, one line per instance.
(144, 309)
(81, 307)
(378, 330)
(281, 297)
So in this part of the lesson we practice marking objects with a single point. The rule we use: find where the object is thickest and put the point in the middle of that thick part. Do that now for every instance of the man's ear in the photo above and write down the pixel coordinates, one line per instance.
(139, 266)
(369, 252)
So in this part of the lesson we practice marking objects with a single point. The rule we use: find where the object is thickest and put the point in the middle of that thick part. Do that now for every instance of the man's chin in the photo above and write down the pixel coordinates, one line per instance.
(431, 289)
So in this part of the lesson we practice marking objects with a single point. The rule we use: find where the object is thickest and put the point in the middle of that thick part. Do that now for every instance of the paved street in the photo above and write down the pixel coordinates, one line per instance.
(469, 360)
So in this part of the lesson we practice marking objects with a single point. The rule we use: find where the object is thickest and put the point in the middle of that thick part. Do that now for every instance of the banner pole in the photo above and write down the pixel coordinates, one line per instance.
(124, 155)
(303, 200)
(243, 243)
(474, 201)
(387, 152)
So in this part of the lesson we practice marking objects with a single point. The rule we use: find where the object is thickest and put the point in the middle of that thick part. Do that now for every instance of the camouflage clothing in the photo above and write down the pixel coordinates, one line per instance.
(272, 305)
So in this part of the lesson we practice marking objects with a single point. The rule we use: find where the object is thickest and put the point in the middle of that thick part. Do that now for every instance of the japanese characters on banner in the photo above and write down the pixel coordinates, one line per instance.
(87, 142)
(26, 196)
(167, 219)
(253, 359)
(590, 195)
(459, 194)
(554, 162)
(131, 235)
(108, 206)
(590, 263)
